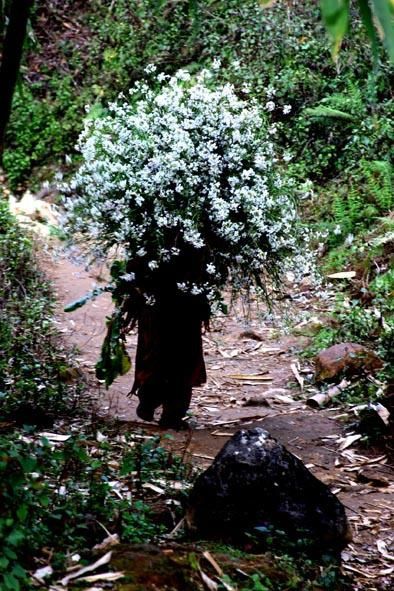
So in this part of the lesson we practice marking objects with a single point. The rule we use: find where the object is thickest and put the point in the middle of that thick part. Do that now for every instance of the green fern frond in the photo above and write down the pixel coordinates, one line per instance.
(379, 182)
(327, 112)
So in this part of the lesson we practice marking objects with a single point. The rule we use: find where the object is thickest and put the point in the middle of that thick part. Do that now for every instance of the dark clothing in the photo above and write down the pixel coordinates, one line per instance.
(169, 359)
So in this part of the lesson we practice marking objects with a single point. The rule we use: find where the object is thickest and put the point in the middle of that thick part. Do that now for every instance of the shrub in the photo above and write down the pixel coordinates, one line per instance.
(57, 495)
(30, 365)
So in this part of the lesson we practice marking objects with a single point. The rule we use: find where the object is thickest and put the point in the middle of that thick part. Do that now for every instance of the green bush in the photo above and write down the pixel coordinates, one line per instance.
(284, 46)
(30, 363)
(61, 496)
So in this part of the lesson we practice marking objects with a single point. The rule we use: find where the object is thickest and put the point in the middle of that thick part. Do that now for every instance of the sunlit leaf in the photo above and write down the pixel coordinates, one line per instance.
(322, 111)
(367, 19)
(336, 17)
(384, 13)
(86, 298)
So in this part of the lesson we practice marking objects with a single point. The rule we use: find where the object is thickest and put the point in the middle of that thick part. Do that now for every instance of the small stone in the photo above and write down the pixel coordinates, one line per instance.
(345, 359)
(255, 484)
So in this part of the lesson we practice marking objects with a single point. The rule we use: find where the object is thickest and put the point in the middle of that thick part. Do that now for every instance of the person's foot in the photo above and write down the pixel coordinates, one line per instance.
(145, 411)
(168, 421)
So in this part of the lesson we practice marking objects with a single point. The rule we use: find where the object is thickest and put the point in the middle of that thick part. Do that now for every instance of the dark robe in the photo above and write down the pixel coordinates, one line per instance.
(169, 360)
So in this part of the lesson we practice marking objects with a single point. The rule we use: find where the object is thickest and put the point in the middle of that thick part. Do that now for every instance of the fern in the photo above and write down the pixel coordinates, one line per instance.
(339, 106)
(323, 112)
(340, 212)
(355, 206)
(379, 182)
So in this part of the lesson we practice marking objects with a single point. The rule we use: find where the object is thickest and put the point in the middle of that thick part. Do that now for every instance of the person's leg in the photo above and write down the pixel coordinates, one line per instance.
(177, 397)
(185, 368)
(148, 382)
(150, 399)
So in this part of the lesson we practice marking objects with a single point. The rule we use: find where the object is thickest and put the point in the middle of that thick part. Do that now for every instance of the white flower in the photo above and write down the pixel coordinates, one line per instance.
(150, 300)
(182, 167)
(128, 276)
(337, 230)
(216, 64)
(150, 69)
(286, 109)
(270, 92)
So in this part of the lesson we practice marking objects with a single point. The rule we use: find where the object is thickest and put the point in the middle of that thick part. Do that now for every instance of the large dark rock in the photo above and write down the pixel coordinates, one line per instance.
(254, 482)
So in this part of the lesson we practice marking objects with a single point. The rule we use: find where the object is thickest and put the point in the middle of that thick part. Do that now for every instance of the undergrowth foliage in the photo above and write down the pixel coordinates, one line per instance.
(64, 496)
(284, 46)
(68, 496)
(31, 363)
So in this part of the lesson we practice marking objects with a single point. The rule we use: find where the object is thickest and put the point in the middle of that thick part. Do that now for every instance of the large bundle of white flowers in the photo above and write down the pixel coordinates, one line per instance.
(184, 165)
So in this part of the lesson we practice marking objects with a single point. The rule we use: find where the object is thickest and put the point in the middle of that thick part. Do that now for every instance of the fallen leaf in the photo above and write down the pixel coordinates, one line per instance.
(41, 573)
(229, 354)
(386, 571)
(86, 569)
(346, 442)
(258, 377)
(382, 548)
(360, 572)
(55, 437)
(156, 489)
(342, 275)
(111, 576)
(222, 434)
(203, 456)
(208, 556)
(210, 584)
(297, 375)
(108, 542)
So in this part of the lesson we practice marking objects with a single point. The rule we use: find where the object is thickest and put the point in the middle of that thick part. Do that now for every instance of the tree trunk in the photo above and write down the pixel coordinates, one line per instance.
(169, 359)
(11, 59)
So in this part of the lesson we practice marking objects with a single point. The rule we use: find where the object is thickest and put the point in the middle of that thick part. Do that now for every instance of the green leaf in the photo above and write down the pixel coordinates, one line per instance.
(22, 512)
(4, 562)
(10, 582)
(117, 269)
(322, 111)
(384, 13)
(367, 19)
(114, 360)
(89, 296)
(15, 537)
(28, 464)
(336, 17)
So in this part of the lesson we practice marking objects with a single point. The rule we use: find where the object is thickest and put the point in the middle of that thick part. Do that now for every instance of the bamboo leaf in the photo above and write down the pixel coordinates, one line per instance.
(336, 17)
(86, 298)
(383, 11)
(367, 19)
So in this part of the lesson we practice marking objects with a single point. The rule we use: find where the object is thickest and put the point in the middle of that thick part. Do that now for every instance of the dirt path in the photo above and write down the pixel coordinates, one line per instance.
(236, 347)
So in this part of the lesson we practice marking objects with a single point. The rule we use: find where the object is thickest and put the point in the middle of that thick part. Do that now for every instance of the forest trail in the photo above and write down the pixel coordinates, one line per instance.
(218, 409)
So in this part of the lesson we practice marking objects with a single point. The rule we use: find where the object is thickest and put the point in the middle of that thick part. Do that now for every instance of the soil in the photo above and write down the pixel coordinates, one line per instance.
(250, 347)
